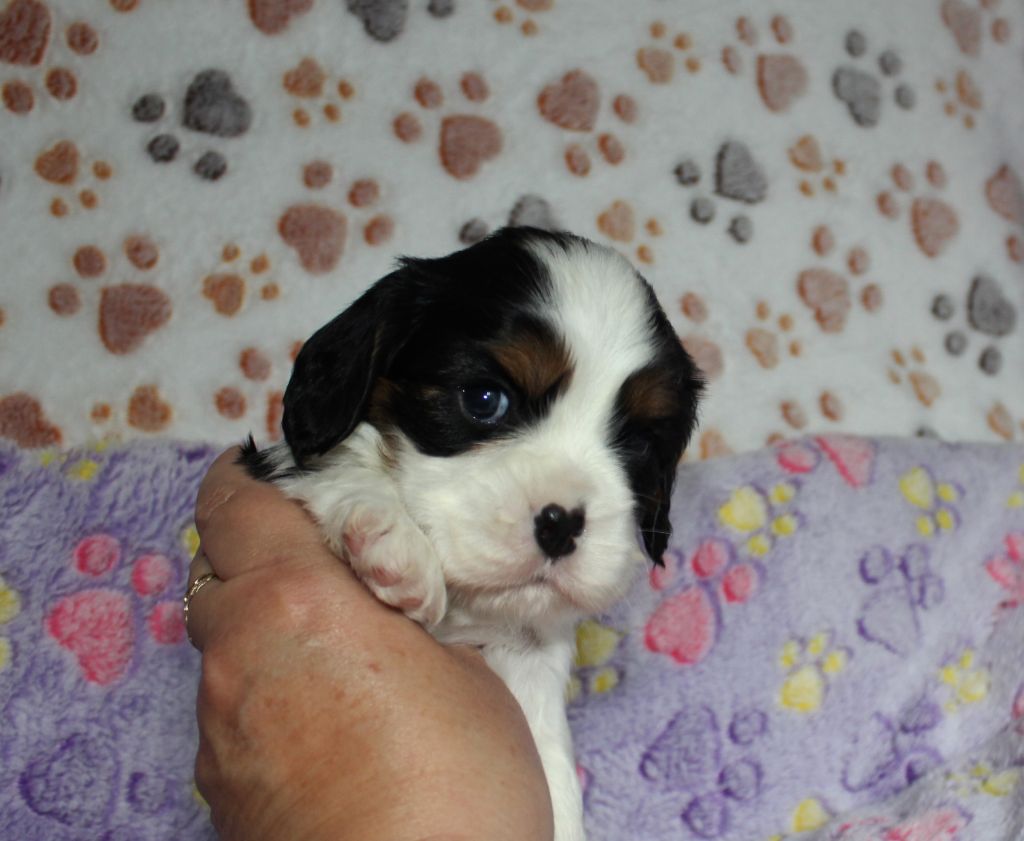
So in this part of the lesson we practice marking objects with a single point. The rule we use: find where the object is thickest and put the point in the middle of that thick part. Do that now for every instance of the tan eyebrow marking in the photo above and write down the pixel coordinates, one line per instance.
(536, 360)
(649, 394)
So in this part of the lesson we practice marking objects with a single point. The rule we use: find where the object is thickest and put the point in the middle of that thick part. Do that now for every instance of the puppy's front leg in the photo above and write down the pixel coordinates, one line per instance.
(537, 677)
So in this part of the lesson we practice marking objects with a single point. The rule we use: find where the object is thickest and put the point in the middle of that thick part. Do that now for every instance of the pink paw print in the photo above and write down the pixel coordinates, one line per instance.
(1007, 570)
(853, 458)
(685, 625)
(99, 624)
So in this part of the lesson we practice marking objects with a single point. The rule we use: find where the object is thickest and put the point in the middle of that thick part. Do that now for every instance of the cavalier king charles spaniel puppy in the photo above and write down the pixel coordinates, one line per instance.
(490, 440)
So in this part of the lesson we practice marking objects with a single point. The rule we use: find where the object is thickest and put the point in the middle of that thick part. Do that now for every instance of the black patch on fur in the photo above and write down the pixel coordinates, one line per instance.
(421, 331)
(650, 447)
(255, 462)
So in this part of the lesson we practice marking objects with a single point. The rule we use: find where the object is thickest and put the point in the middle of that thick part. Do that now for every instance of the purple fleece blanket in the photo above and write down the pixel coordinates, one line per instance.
(833, 648)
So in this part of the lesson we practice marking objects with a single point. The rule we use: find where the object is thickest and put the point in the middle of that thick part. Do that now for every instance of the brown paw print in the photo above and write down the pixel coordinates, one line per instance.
(827, 293)
(816, 173)
(962, 98)
(23, 421)
(781, 77)
(573, 104)
(933, 222)
(706, 353)
(508, 15)
(862, 91)
(713, 445)
(257, 367)
(271, 17)
(78, 179)
(318, 232)
(773, 338)
(968, 22)
(465, 141)
(226, 287)
(1000, 421)
(737, 177)
(127, 312)
(658, 62)
(989, 312)
(796, 416)
(310, 84)
(26, 37)
(1005, 195)
(618, 222)
(925, 387)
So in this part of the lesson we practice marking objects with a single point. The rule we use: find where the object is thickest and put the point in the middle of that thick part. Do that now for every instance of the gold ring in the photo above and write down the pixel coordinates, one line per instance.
(194, 588)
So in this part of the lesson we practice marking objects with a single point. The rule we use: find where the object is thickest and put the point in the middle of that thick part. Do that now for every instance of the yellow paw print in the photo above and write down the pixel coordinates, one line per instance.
(190, 540)
(809, 814)
(969, 683)
(935, 499)
(1016, 499)
(10, 606)
(809, 665)
(752, 512)
(595, 645)
(982, 778)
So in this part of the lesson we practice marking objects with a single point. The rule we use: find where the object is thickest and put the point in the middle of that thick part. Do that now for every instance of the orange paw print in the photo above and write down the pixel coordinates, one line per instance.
(706, 353)
(310, 84)
(773, 338)
(506, 15)
(968, 22)
(658, 63)
(962, 98)
(817, 174)
(827, 293)
(618, 223)
(465, 141)
(781, 78)
(933, 222)
(256, 366)
(226, 288)
(1005, 195)
(925, 387)
(63, 166)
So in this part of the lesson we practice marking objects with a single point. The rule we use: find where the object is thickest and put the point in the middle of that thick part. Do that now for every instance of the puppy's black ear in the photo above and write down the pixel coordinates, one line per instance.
(336, 369)
(655, 526)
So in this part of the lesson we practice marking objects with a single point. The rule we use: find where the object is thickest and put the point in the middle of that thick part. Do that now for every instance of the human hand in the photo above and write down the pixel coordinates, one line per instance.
(322, 713)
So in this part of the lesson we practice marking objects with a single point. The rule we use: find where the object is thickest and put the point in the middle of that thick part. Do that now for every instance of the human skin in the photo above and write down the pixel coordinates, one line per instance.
(324, 714)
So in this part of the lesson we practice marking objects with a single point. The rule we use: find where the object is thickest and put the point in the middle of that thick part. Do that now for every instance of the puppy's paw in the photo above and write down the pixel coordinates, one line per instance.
(396, 561)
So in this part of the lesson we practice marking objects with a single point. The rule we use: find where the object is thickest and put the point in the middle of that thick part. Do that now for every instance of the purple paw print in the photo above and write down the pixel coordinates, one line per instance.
(74, 782)
(888, 756)
(901, 588)
(688, 757)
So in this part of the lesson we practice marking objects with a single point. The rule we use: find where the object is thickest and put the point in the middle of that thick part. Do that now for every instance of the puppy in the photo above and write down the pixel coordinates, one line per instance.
(490, 440)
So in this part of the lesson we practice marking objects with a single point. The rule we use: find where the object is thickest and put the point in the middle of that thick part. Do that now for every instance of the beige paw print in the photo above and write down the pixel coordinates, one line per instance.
(781, 77)
(817, 174)
(933, 222)
(619, 223)
(466, 142)
(315, 91)
(968, 21)
(77, 179)
(827, 293)
(962, 98)
(910, 368)
(658, 61)
(226, 287)
(522, 12)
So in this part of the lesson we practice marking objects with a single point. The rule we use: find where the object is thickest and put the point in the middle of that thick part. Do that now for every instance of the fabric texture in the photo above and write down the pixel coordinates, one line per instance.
(833, 645)
(826, 196)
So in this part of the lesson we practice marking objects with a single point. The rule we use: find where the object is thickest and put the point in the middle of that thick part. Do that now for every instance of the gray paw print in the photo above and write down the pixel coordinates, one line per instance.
(861, 90)
(737, 177)
(989, 312)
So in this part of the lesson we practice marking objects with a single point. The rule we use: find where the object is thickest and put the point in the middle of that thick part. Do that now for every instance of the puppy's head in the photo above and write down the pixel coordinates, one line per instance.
(533, 402)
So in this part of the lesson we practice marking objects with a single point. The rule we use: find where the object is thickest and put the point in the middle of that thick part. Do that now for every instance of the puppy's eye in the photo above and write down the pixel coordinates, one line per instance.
(485, 404)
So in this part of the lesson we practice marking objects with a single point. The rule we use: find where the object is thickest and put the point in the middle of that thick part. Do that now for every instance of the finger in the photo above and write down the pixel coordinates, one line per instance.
(200, 601)
(200, 566)
(244, 524)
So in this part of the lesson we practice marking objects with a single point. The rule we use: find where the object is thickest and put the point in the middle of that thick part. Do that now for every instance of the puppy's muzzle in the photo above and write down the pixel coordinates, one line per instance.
(555, 530)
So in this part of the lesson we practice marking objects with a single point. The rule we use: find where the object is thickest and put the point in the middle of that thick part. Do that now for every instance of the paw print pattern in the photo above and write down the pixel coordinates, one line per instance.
(989, 312)
(25, 40)
(100, 624)
(808, 665)
(827, 293)
(737, 177)
(901, 589)
(984, 779)
(763, 518)
(769, 344)
(1016, 498)
(10, 607)
(573, 104)
(308, 83)
(506, 15)
(530, 210)
(593, 673)
(211, 106)
(853, 458)
(465, 141)
(965, 681)
(687, 621)
(962, 98)
(966, 22)
(861, 90)
(781, 78)
(658, 63)
(933, 223)
(934, 499)
(925, 387)
(63, 166)
(1006, 569)
(705, 352)
(708, 764)
(1005, 195)
(618, 223)
(890, 754)
(806, 156)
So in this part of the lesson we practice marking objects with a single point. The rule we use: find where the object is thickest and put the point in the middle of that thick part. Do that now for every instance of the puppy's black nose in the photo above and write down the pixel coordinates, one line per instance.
(554, 529)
